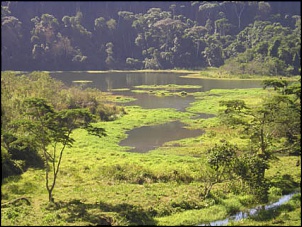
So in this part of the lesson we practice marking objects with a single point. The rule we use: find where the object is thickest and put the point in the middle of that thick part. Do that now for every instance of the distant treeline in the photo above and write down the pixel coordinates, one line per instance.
(240, 36)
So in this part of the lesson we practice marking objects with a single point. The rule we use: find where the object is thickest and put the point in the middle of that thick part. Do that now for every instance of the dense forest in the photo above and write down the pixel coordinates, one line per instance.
(248, 152)
(242, 37)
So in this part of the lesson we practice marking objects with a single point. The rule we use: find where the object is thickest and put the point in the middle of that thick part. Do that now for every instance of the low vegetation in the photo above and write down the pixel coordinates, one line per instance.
(184, 182)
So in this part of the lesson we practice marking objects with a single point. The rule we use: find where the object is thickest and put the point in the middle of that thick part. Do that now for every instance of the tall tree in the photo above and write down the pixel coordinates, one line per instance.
(44, 35)
(109, 60)
(221, 159)
(11, 38)
(49, 127)
(80, 38)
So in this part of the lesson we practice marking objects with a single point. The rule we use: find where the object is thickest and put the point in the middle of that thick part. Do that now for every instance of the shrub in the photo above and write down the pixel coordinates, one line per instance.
(275, 192)
(246, 200)
(232, 205)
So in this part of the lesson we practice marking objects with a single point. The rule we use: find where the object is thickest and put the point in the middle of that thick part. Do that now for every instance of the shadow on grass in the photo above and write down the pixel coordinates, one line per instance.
(134, 214)
(75, 210)
(285, 182)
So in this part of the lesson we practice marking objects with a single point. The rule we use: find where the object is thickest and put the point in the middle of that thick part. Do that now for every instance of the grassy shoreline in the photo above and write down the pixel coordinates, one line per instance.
(207, 73)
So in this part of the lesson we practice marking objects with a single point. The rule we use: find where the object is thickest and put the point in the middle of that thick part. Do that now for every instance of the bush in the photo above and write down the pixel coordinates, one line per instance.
(232, 205)
(9, 167)
(275, 192)
(247, 200)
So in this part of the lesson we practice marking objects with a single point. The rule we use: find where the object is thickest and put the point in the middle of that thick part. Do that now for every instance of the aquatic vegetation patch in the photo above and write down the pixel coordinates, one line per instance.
(208, 102)
(165, 90)
(119, 98)
(82, 81)
(220, 74)
(120, 89)
(168, 86)
(161, 93)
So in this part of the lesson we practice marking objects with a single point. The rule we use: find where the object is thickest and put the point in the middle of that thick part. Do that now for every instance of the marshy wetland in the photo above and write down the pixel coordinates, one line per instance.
(152, 90)
(153, 178)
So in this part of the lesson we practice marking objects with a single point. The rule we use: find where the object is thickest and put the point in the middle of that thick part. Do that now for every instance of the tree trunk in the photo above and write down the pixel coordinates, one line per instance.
(50, 198)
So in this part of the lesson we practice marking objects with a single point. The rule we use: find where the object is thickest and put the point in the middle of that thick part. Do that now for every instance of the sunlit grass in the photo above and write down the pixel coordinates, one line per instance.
(99, 180)
(217, 73)
(208, 102)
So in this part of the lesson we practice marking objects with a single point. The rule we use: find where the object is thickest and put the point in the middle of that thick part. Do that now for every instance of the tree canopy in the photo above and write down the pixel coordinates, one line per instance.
(242, 37)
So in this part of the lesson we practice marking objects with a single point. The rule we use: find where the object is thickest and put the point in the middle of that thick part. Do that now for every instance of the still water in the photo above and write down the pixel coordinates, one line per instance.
(157, 135)
(114, 80)
(118, 80)
(149, 137)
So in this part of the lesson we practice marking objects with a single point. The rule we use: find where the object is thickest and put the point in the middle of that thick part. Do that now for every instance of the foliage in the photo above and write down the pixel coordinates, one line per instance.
(89, 192)
(108, 189)
(221, 161)
(276, 84)
(286, 109)
(53, 128)
(265, 122)
(243, 38)
(22, 149)
(263, 125)
(251, 169)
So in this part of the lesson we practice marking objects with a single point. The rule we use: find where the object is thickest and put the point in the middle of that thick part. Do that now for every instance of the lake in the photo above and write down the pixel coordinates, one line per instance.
(159, 134)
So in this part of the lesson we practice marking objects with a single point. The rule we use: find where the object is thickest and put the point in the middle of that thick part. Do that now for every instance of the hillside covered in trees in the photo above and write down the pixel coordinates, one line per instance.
(242, 37)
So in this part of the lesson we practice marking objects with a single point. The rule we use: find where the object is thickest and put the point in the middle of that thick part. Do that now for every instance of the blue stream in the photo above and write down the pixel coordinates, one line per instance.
(241, 215)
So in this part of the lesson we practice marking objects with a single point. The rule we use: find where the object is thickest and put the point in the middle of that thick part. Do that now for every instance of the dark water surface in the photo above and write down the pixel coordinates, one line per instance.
(147, 138)
(150, 137)
(113, 80)
(117, 80)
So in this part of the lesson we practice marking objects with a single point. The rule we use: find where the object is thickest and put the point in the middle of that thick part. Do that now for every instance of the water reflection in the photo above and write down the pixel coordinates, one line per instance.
(115, 80)
(147, 138)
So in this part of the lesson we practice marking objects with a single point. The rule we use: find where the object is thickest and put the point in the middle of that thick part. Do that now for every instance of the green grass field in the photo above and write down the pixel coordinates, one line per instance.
(101, 183)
